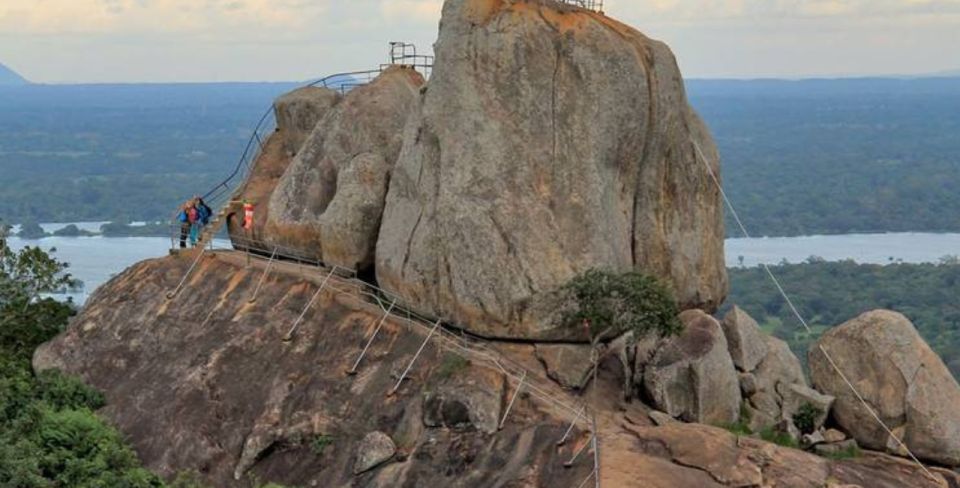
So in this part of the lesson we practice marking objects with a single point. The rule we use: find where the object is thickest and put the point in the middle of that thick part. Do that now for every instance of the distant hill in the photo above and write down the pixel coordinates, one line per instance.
(10, 77)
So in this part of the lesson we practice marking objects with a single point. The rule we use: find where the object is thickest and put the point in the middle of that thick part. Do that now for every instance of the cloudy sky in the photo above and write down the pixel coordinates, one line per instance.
(246, 40)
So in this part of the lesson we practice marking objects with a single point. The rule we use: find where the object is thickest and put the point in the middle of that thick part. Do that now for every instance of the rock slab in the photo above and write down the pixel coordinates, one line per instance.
(375, 449)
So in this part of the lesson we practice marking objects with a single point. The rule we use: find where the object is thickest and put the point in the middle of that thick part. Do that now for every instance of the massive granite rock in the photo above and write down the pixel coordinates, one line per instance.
(902, 379)
(551, 140)
(328, 203)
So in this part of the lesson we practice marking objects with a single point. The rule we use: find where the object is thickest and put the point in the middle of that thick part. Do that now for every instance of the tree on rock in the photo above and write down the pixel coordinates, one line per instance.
(616, 303)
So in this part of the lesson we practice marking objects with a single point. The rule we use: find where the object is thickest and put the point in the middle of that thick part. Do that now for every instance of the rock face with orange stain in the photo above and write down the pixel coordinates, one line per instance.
(550, 140)
(328, 203)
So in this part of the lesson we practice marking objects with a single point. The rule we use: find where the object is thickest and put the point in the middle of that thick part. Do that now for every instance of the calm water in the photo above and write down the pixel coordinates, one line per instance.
(95, 259)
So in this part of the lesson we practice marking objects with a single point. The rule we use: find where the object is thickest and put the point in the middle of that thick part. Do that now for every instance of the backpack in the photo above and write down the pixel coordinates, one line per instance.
(182, 217)
(205, 213)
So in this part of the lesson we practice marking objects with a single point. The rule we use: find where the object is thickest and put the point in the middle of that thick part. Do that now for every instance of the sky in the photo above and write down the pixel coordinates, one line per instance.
(95, 41)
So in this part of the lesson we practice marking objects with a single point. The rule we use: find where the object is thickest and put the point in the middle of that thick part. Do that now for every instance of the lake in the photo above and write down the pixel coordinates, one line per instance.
(95, 259)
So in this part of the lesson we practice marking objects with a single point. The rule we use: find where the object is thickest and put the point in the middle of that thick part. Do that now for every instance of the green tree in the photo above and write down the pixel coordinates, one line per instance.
(614, 303)
(49, 435)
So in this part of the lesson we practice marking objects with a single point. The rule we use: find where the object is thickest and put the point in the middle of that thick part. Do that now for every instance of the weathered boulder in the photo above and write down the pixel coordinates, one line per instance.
(692, 376)
(747, 342)
(465, 403)
(375, 449)
(795, 396)
(351, 150)
(352, 220)
(899, 376)
(299, 111)
(567, 364)
(778, 369)
(551, 141)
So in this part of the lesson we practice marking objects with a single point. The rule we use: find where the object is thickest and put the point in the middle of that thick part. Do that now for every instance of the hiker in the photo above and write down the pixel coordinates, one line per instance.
(205, 211)
(193, 218)
(184, 218)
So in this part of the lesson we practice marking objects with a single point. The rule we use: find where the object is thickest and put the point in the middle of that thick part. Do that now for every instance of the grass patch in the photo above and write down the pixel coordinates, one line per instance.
(852, 452)
(783, 439)
(320, 442)
(742, 426)
(451, 365)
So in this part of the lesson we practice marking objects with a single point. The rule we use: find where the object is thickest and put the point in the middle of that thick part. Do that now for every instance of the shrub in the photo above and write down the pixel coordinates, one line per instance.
(616, 303)
(320, 442)
(806, 418)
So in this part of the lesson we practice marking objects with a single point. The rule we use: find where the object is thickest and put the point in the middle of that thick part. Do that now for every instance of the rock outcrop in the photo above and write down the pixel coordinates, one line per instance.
(768, 373)
(551, 140)
(299, 111)
(899, 376)
(328, 203)
(692, 377)
(204, 383)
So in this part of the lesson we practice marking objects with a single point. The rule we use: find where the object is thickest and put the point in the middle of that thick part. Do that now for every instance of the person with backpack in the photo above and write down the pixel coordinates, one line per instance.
(205, 212)
(193, 218)
(184, 218)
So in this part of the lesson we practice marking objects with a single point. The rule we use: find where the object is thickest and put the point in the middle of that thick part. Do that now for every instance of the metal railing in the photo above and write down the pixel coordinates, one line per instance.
(342, 281)
(217, 197)
(595, 5)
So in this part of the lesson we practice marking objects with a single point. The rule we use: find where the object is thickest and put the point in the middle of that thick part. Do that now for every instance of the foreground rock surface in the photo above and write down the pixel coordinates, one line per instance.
(532, 161)
(205, 383)
(898, 375)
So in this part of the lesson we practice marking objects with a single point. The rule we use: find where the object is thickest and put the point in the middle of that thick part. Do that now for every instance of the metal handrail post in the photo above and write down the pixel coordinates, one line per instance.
(289, 336)
(512, 400)
(263, 278)
(579, 451)
(566, 434)
(383, 319)
(187, 275)
(417, 355)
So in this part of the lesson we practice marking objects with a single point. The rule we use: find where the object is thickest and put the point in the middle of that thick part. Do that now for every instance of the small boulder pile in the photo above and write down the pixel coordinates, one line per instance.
(731, 373)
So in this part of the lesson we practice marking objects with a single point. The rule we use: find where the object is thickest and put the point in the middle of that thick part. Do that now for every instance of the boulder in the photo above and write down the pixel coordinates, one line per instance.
(778, 367)
(569, 365)
(351, 150)
(550, 141)
(832, 436)
(795, 396)
(899, 376)
(748, 384)
(837, 448)
(692, 376)
(299, 111)
(465, 403)
(352, 220)
(660, 418)
(747, 342)
(375, 449)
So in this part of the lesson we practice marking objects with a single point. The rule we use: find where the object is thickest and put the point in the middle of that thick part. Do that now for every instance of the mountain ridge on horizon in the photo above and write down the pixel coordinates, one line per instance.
(9, 77)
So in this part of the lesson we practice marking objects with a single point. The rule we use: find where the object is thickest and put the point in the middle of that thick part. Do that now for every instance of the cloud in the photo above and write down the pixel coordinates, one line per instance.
(103, 17)
(416, 10)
